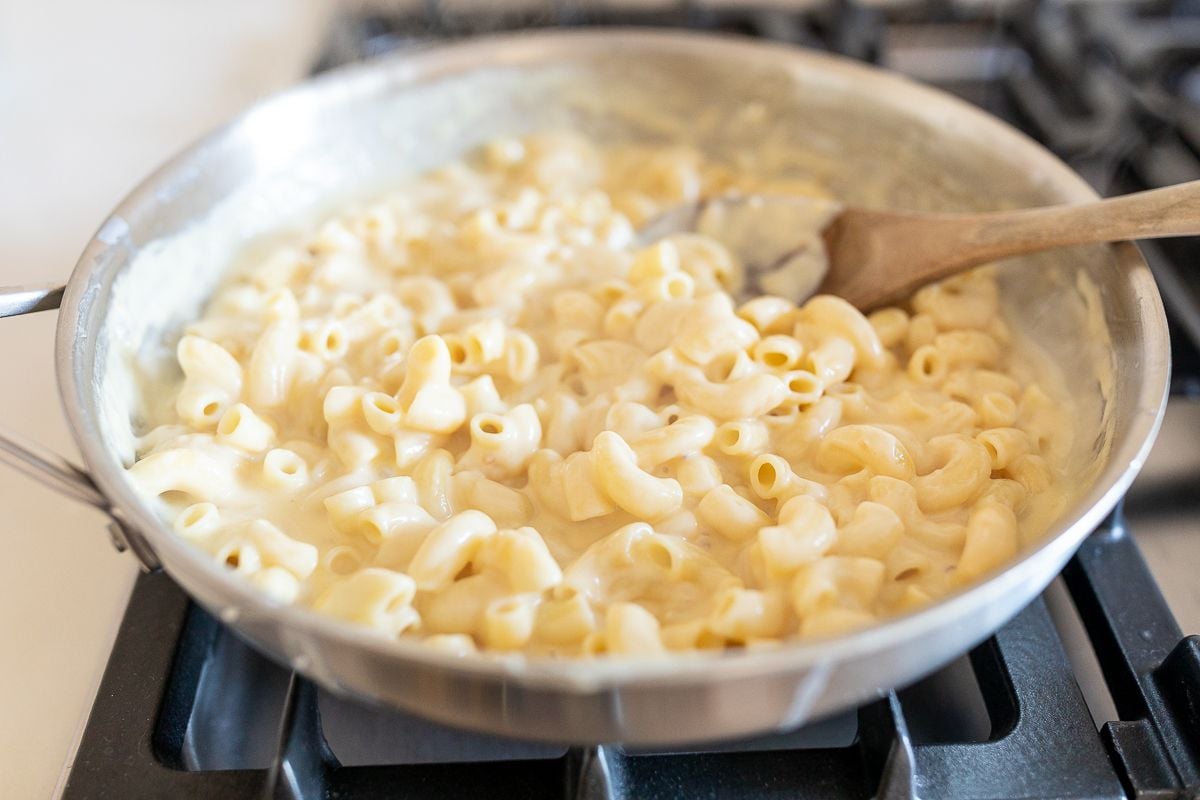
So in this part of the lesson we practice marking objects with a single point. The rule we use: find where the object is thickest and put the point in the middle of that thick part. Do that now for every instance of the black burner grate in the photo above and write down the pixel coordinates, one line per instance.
(1042, 741)
(186, 710)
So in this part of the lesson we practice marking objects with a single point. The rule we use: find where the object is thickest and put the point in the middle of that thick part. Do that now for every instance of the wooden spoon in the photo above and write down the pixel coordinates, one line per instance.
(876, 257)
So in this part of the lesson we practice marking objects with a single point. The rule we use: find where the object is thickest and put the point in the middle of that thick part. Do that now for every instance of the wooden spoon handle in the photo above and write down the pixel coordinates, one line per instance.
(1171, 211)
(882, 256)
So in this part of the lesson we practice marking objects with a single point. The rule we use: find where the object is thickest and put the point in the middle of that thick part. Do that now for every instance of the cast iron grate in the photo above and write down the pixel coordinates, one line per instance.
(1042, 741)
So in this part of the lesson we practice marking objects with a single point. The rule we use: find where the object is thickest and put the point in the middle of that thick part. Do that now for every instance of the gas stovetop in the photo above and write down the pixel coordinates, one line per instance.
(186, 710)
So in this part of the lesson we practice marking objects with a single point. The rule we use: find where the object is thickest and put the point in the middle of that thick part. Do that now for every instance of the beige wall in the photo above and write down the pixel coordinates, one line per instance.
(92, 97)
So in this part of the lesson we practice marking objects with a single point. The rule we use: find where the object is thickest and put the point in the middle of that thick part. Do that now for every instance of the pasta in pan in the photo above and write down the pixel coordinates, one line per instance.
(474, 412)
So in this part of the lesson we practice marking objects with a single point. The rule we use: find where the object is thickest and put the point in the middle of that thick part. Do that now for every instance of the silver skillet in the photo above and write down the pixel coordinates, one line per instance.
(871, 136)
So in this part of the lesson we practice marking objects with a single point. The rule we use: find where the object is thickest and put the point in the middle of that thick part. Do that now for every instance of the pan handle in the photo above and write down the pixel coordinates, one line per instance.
(46, 466)
(49, 469)
(17, 300)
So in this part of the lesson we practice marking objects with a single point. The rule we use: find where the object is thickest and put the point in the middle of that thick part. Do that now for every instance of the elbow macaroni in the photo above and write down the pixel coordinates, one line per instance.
(477, 415)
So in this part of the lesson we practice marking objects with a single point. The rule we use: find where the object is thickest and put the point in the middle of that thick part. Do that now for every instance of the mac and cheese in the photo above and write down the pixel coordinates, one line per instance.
(476, 413)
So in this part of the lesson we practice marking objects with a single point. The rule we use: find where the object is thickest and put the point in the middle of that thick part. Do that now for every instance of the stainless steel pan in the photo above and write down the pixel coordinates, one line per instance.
(872, 136)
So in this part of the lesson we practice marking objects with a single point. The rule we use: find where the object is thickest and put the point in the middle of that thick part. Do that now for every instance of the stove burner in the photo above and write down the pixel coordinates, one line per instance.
(187, 710)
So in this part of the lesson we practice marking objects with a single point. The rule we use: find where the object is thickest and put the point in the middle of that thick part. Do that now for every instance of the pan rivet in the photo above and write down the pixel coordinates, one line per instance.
(117, 537)
(230, 614)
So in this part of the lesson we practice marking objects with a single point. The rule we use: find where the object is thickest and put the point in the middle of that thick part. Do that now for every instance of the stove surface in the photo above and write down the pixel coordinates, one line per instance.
(1163, 511)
